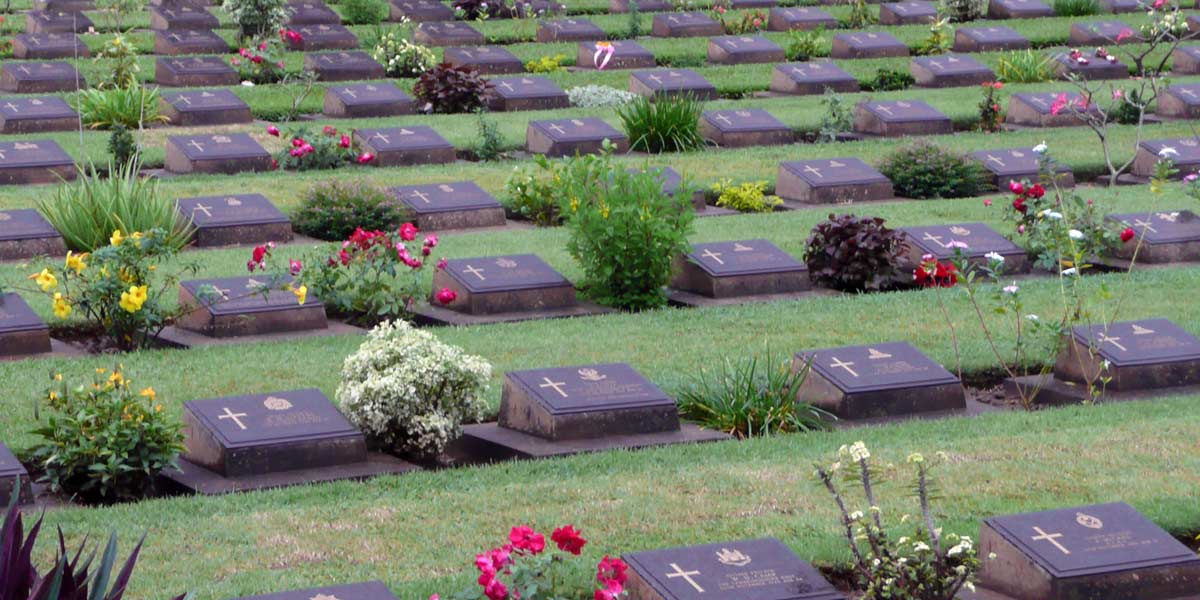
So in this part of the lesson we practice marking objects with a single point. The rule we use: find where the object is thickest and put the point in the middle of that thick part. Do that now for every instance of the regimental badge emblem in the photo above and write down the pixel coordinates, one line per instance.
(324, 597)
(276, 403)
(1088, 521)
(1189, 143)
(739, 247)
(589, 374)
(1172, 217)
(732, 558)
(1018, 154)
(221, 139)
(5, 217)
(1139, 330)
(874, 354)
(24, 146)
(506, 263)
(231, 201)
(960, 231)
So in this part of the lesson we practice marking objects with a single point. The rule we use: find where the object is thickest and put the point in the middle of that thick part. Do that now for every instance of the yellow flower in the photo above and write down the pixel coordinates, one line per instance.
(53, 396)
(116, 238)
(149, 393)
(62, 308)
(116, 378)
(137, 235)
(100, 371)
(301, 294)
(45, 280)
(133, 300)
(58, 376)
(75, 262)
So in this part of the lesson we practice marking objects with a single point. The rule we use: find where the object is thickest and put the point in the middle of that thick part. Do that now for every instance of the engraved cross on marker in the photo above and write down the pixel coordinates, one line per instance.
(708, 253)
(1144, 224)
(379, 134)
(197, 145)
(421, 195)
(235, 417)
(814, 171)
(476, 272)
(1049, 537)
(554, 385)
(840, 364)
(1115, 341)
(995, 160)
(202, 208)
(686, 576)
(937, 239)
(724, 119)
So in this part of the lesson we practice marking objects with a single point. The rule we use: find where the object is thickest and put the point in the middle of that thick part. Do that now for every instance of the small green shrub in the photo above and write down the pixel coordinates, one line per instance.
(890, 80)
(853, 254)
(1129, 108)
(121, 145)
(332, 210)
(804, 44)
(667, 125)
(118, 58)
(1025, 66)
(599, 96)
(363, 12)
(1076, 8)
(258, 18)
(491, 145)
(940, 40)
(837, 119)
(861, 14)
(924, 170)
(131, 107)
(753, 397)
(749, 197)
(449, 89)
(546, 64)
(961, 11)
(400, 57)
(537, 192)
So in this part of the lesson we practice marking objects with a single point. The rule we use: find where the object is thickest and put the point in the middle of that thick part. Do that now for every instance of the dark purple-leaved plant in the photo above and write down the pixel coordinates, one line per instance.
(853, 254)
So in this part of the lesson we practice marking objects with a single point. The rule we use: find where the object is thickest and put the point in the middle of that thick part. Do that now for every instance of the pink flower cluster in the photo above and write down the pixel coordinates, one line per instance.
(611, 575)
(375, 243)
(291, 36)
(1061, 103)
(259, 256)
(524, 541)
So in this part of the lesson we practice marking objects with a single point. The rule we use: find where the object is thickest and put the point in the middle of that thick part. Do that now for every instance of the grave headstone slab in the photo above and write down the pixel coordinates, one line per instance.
(1193, 23)
(31, 115)
(761, 569)
(236, 307)
(194, 71)
(568, 137)
(323, 37)
(487, 60)
(25, 233)
(374, 590)
(834, 180)
(1122, 6)
(1016, 164)
(526, 93)
(569, 30)
(1102, 33)
(223, 153)
(204, 107)
(741, 268)
(812, 78)
(189, 41)
(420, 11)
(744, 127)
(1142, 354)
(587, 401)
(447, 34)
(1179, 100)
(361, 100)
(181, 16)
(1018, 9)
(799, 17)
(1095, 67)
(672, 181)
(14, 479)
(64, 5)
(891, 378)
(746, 4)
(452, 205)
(1097, 551)
(1184, 152)
(980, 239)
(950, 70)
(1166, 236)
(1185, 60)
(34, 161)
(40, 77)
(236, 219)
(347, 65)
(897, 118)
(988, 39)
(42, 46)
(536, 8)
(665, 83)
(743, 49)
(645, 6)
(868, 44)
(1037, 109)
(312, 12)
(626, 55)
(687, 24)
(412, 145)
(503, 284)
(22, 332)
(54, 21)
(911, 12)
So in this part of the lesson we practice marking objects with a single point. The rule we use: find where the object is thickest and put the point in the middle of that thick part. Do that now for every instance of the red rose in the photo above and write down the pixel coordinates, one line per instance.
(273, 130)
(446, 296)
(1128, 234)
(496, 590)
(344, 257)
(523, 537)
(568, 539)
(612, 569)
(329, 130)
(1016, 187)
(256, 59)
(408, 232)
(1019, 205)
(259, 253)
(365, 158)
(345, 142)
(1037, 191)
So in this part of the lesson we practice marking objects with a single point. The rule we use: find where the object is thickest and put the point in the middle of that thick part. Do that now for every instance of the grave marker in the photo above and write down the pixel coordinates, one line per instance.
(487, 60)
(40, 77)
(374, 590)
(1122, 6)
(64, 5)
(568, 137)
(1102, 33)
(348, 65)
(645, 6)
(1018, 9)
(452, 205)
(912, 12)
(222, 153)
(980, 239)
(360, 100)
(204, 107)
(744, 49)
(22, 333)
(447, 34)
(236, 219)
(194, 71)
(526, 93)
(13, 478)
(1037, 109)
(1166, 236)
(1184, 152)
(569, 30)
(626, 55)
(236, 307)
(1179, 101)
(181, 16)
(42, 46)
(988, 39)
(397, 146)
(870, 44)
(503, 284)
(25, 233)
(189, 41)
(824, 181)
(323, 37)
(664, 83)
(54, 21)
(897, 118)
(1095, 67)
(34, 161)
(420, 11)
(1016, 164)
(799, 17)
(313, 12)
(812, 78)
(31, 115)
(744, 127)
(685, 24)
(876, 380)
(1185, 60)
(742, 268)
(949, 70)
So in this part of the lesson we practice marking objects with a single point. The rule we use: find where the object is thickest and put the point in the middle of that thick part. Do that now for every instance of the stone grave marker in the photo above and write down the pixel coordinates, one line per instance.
(1122, 6)
(48, 21)
(1179, 101)
(452, 205)
(236, 219)
(1142, 354)
(420, 11)
(824, 181)
(487, 60)
(867, 44)
(876, 380)
(1016, 164)
(194, 71)
(1037, 109)
(746, 4)
(685, 24)
(34, 161)
(447, 34)
(314, 12)
(664, 83)
(324, 37)
(744, 127)
(64, 5)
(1166, 236)
(1018, 9)
(526, 93)
(741, 268)
(1090, 67)
(760, 569)
(32, 115)
(411, 145)
(979, 237)
(799, 17)
(22, 333)
(988, 39)
(1102, 33)
(568, 137)
(743, 49)
(1185, 60)
(236, 307)
(569, 30)
(374, 590)
(181, 16)
(911, 12)
(40, 77)
(626, 55)
(1097, 551)
(1184, 152)
(347, 65)
(536, 8)
(519, 283)
(896, 118)
(13, 479)
(25, 233)
(812, 78)
(222, 153)
(949, 70)
(1193, 23)
(645, 6)
(42, 46)
(189, 41)
(204, 107)
(360, 100)
(672, 181)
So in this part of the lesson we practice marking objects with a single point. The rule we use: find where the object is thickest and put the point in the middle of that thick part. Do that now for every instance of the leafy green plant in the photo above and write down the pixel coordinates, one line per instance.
(400, 57)
(754, 397)
(1076, 8)
(669, 124)
(476, 10)
(853, 254)
(119, 10)
(308, 151)
(119, 59)
(1024, 66)
(991, 115)
(803, 44)
(599, 96)
(258, 18)
(961, 11)
(890, 80)
(261, 61)
(837, 119)
(536, 192)
(749, 197)
(940, 40)
(333, 209)
(121, 145)
(1129, 108)
(742, 23)
(546, 64)
(363, 12)
(130, 107)
(925, 170)
(490, 145)
(860, 15)
(634, 21)
(449, 89)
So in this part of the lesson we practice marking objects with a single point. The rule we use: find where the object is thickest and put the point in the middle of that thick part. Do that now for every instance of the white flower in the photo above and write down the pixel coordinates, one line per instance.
(1011, 289)
(1167, 152)
(248, 83)
(856, 515)
(920, 547)
(994, 257)
(1041, 148)
(1069, 272)
(1031, 317)
(1053, 215)
(969, 585)
(1106, 364)
(859, 452)
(991, 556)
(1075, 234)
(957, 244)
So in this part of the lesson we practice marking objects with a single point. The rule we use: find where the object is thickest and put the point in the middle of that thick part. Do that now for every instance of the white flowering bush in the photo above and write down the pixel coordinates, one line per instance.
(409, 392)
(400, 57)
(598, 96)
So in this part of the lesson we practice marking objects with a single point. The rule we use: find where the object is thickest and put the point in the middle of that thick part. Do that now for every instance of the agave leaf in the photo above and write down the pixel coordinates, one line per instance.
(106, 563)
(118, 588)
